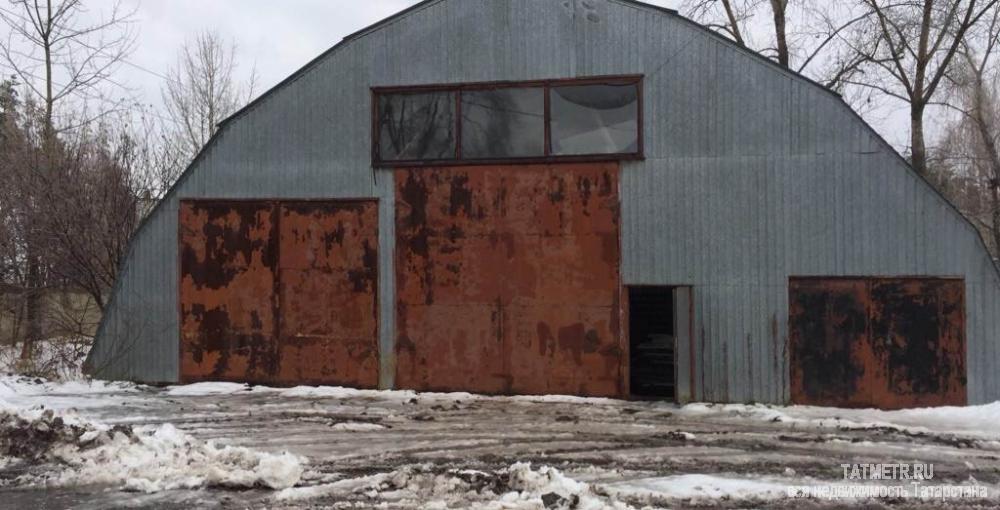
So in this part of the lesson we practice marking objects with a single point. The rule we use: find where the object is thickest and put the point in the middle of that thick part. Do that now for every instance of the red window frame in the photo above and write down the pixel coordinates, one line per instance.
(458, 88)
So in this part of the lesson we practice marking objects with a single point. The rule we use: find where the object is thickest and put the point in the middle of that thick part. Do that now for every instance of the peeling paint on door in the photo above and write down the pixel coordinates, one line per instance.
(889, 343)
(508, 279)
(279, 292)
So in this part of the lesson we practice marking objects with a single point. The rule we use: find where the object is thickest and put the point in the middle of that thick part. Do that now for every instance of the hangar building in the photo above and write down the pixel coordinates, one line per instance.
(590, 197)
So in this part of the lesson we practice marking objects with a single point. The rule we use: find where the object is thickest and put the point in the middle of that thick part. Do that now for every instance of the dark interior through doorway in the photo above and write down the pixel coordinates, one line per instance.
(652, 342)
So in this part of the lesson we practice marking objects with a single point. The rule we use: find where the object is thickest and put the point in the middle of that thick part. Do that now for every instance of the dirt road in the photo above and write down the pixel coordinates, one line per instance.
(405, 450)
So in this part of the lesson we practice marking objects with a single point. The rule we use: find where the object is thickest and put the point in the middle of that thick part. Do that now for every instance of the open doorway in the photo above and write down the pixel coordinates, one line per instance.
(652, 342)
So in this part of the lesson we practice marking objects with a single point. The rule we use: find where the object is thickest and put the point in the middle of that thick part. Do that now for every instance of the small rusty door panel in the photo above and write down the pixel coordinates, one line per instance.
(561, 279)
(279, 292)
(918, 330)
(889, 343)
(328, 280)
(228, 282)
(508, 279)
(448, 308)
(828, 333)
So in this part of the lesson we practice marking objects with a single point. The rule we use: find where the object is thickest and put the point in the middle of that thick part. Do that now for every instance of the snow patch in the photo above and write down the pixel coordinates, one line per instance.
(58, 358)
(520, 486)
(214, 388)
(25, 392)
(565, 399)
(31, 386)
(355, 426)
(977, 421)
(146, 459)
(697, 488)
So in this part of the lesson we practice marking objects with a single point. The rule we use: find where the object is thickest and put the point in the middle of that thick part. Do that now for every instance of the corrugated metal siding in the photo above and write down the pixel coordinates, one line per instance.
(752, 175)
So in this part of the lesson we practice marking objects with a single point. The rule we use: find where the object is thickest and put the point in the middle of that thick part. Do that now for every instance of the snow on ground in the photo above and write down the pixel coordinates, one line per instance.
(982, 421)
(520, 486)
(144, 458)
(24, 392)
(60, 358)
(326, 446)
(697, 488)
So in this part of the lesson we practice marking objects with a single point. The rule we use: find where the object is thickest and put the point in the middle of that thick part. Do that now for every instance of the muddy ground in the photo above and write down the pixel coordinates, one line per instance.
(358, 446)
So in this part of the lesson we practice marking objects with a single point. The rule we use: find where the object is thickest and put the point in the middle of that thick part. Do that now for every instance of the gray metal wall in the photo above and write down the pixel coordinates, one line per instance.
(752, 175)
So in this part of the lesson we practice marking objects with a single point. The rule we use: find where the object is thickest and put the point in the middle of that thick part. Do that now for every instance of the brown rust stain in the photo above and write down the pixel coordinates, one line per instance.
(228, 261)
(508, 279)
(828, 329)
(918, 337)
(279, 292)
(889, 343)
(328, 283)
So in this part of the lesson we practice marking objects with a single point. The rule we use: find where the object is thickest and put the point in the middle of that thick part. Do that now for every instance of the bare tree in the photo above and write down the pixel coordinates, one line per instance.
(729, 17)
(95, 206)
(94, 195)
(56, 55)
(970, 151)
(821, 39)
(200, 93)
(920, 40)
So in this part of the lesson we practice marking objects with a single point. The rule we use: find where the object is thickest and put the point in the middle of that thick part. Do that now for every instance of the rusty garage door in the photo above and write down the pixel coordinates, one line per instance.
(889, 343)
(279, 292)
(508, 279)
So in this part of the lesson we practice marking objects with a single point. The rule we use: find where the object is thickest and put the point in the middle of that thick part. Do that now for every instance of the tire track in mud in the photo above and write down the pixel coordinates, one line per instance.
(602, 442)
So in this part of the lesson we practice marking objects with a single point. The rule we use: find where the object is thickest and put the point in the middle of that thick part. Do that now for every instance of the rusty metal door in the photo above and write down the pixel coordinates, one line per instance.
(877, 342)
(328, 278)
(508, 279)
(831, 360)
(918, 331)
(279, 292)
(227, 291)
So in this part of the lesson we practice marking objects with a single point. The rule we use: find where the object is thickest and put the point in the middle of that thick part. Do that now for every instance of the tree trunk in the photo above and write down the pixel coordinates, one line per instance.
(995, 184)
(918, 146)
(734, 23)
(33, 304)
(778, 9)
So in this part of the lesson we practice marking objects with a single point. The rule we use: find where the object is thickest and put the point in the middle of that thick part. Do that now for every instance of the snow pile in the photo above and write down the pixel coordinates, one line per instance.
(147, 459)
(550, 488)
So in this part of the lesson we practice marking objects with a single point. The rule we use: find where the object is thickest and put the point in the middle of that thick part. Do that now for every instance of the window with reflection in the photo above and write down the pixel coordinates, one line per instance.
(543, 121)
(503, 123)
(416, 127)
(595, 119)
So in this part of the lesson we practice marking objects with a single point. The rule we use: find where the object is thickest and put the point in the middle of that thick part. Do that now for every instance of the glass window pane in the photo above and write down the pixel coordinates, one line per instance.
(416, 126)
(503, 123)
(595, 119)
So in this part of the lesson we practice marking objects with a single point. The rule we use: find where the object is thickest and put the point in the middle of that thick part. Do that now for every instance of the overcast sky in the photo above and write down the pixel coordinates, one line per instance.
(278, 37)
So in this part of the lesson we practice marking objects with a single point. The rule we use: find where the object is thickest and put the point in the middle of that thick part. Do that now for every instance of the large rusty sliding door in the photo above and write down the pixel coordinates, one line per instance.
(508, 279)
(877, 342)
(279, 292)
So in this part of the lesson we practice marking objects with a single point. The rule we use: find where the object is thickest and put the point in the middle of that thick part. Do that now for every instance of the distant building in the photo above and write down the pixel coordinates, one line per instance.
(587, 197)
(64, 312)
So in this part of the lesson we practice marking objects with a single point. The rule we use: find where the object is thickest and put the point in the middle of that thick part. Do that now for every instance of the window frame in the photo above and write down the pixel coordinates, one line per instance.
(546, 85)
